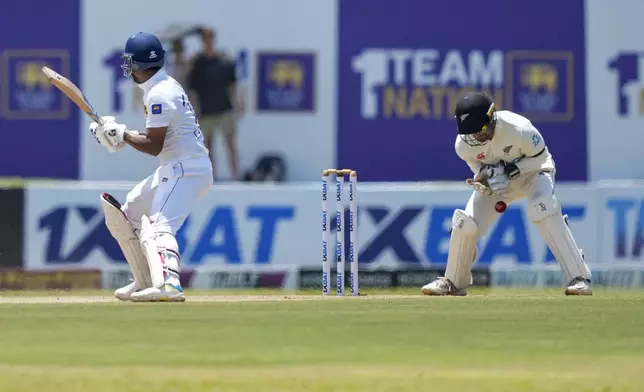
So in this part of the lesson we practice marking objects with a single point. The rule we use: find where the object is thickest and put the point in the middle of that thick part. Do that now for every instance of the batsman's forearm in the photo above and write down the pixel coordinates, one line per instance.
(141, 143)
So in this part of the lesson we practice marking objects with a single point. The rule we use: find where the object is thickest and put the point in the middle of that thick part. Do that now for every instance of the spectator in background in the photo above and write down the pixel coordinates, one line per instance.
(213, 82)
(178, 66)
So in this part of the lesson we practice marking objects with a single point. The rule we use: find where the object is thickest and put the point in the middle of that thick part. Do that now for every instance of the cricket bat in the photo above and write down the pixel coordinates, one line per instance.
(73, 92)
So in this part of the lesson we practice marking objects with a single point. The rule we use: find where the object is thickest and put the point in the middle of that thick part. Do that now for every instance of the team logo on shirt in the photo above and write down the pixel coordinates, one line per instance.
(481, 156)
(156, 108)
(540, 85)
(536, 139)
(145, 110)
(506, 150)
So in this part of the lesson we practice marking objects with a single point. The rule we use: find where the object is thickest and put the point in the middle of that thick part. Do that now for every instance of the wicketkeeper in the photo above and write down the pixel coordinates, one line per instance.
(510, 161)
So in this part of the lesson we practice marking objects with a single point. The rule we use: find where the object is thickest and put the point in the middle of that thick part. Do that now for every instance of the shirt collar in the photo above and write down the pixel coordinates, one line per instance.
(156, 78)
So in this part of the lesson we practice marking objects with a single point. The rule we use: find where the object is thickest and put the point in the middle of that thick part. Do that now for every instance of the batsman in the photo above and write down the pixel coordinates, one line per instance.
(145, 226)
(510, 161)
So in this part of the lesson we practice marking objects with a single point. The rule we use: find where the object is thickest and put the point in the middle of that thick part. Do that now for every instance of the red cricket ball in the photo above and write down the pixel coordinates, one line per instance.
(500, 207)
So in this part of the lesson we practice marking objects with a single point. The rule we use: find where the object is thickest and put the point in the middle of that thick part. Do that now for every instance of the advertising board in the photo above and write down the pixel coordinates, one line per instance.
(403, 65)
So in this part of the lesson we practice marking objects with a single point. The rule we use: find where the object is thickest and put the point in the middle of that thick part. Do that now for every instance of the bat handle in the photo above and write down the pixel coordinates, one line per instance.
(97, 118)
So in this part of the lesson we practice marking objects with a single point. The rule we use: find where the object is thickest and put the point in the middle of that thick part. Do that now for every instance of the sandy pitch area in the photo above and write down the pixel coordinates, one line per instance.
(213, 298)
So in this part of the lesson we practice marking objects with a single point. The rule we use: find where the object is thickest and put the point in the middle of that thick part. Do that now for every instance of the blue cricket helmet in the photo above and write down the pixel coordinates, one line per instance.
(142, 51)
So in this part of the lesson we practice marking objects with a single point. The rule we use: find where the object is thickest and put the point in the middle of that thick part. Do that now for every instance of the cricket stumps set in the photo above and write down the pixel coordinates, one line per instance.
(339, 176)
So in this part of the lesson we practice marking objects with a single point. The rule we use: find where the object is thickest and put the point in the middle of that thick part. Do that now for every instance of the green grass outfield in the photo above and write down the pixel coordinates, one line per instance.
(519, 341)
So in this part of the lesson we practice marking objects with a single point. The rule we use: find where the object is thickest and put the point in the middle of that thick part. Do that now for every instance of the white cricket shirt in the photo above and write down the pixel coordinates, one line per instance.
(166, 104)
(514, 138)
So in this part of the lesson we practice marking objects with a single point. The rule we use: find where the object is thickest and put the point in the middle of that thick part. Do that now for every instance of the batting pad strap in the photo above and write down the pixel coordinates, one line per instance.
(171, 263)
(168, 248)
(122, 231)
(462, 249)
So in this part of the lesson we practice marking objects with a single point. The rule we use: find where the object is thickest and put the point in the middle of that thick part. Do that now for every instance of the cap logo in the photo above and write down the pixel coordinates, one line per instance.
(153, 55)
(464, 116)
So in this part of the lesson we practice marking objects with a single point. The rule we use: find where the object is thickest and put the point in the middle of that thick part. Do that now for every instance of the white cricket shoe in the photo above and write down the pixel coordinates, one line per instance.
(124, 293)
(442, 286)
(579, 286)
(167, 293)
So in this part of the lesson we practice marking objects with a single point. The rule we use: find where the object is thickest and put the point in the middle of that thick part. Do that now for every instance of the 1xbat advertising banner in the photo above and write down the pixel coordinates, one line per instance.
(614, 275)
(401, 276)
(615, 64)
(403, 65)
(19, 279)
(622, 231)
(399, 227)
(39, 124)
(285, 63)
(212, 278)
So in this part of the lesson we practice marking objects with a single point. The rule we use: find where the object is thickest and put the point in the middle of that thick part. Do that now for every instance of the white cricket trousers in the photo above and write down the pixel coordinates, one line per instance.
(169, 194)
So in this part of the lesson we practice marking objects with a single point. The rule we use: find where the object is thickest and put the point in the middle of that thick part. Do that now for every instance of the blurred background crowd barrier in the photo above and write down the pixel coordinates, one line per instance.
(364, 84)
